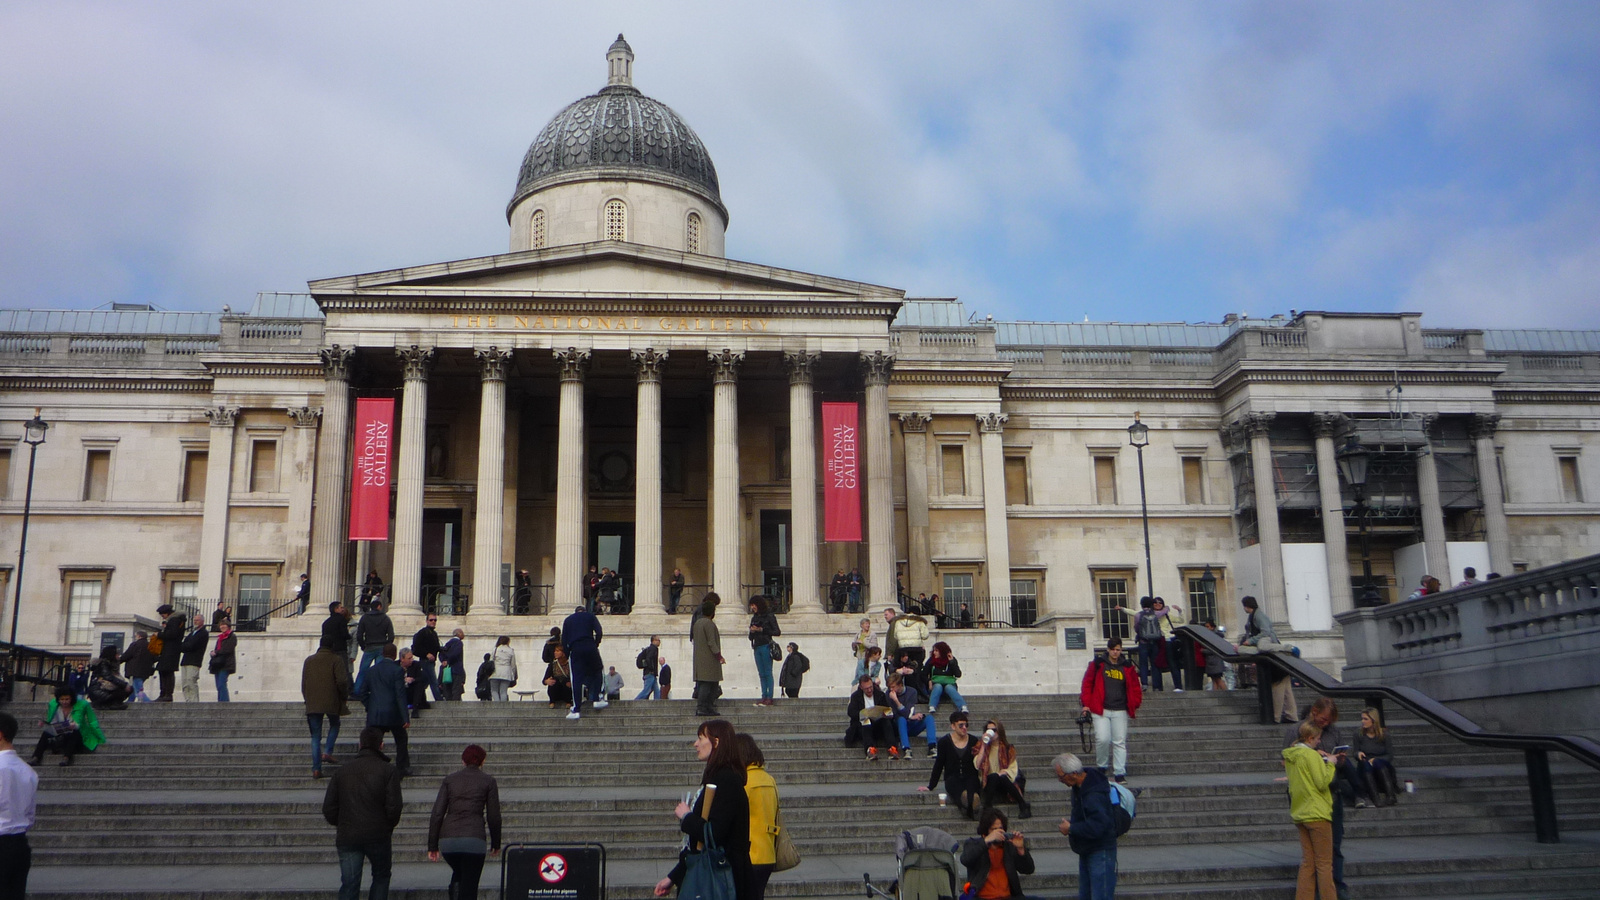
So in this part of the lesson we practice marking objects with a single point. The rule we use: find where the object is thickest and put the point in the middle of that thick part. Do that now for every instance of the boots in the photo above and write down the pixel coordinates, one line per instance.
(1391, 786)
(1024, 809)
(1366, 791)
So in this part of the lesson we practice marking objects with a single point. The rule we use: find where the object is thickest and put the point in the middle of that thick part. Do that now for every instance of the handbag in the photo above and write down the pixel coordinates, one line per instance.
(787, 857)
(449, 676)
(706, 872)
(777, 652)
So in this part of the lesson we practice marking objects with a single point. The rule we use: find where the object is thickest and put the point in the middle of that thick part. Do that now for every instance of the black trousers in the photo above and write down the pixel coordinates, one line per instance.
(402, 750)
(465, 870)
(68, 745)
(16, 858)
(167, 679)
(707, 692)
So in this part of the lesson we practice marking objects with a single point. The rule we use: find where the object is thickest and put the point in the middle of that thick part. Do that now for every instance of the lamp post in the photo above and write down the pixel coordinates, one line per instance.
(33, 435)
(1208, 588)
(1353, 460)
(1139, 437)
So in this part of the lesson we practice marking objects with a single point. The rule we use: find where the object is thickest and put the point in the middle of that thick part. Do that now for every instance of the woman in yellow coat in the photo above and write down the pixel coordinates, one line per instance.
(763, 794)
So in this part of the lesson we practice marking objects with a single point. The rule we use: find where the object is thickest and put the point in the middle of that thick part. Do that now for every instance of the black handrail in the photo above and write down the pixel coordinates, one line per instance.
(33, 666)
(1535, 747)
(259, 623)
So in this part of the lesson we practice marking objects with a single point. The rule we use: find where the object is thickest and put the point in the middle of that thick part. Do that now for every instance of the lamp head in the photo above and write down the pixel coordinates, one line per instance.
(1208, 583)
(1138, 433)
(33, 430)
(1353, 461)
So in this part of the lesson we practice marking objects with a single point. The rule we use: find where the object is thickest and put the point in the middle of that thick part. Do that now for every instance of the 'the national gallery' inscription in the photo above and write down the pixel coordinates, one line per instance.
(611, 323)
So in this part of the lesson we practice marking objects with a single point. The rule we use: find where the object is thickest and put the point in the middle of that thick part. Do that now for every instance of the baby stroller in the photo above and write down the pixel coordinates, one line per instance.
(927, 867)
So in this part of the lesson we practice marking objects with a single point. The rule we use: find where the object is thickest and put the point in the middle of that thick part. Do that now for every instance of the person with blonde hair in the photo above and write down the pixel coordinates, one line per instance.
(1311, 807)
(1376, 782)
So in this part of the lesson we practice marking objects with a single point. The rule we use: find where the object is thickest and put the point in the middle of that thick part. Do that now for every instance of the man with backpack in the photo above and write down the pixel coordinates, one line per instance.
(648, 661)
(1094, 826)
(1110, 695)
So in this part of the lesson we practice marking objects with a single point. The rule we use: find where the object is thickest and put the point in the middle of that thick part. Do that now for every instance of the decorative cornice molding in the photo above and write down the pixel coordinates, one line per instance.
(725, 365)
(416, 361)
(876, 367)
(222, 416)
(936, 376)
(1346, 376)
(914, 422)
(305, 416)
(494, 362)
(992, 423)
(1517, 395)
(1327, 424)
(648, 363)
(266, 370)
(1186, 395)
(336, 362)
(573, 362)
(520, 303)
(1483, 425)
(68, 384)
(800, 365)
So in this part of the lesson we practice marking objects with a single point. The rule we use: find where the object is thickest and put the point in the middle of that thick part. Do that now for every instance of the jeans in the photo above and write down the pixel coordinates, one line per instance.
(855, 599)
(1097, 875)
(908, 728)
(222, 686)
(763, 656)
(350, 860)
(1149, 672)
(465, 870)
(189, 682)
(650, 687)
(139, 695)
(314, 722)
(433, 680)
(369, 655)
(498, 688)
(587, 673)
(1111, 741)
(945, 690)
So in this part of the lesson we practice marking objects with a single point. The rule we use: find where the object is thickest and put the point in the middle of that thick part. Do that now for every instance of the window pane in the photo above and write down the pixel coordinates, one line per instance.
(536, 230)
(263, 467)
(616, 221)
(1016, 481)
(780, 454)
(1193, 485)
(5, 473)
(1571, 487)
(1105, 480)
(1200, 608)
(194, 477)
(957, 590)
(255, 596)
(97, 474)
(692, 237)
(955, 474)
(1112, 592)
(83, 603)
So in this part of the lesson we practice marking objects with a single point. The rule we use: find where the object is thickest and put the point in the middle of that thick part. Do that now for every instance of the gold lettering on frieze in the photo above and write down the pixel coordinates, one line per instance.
(609, 323)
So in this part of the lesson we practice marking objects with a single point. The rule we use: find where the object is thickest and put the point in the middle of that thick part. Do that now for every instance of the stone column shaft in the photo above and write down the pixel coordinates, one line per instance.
(649, 591)
(488, 525)
(803, 572)
(725, 530)
(1496, 531)
(880, 486)
(302, 473)
(407, 576)
(919, 575)
(1433, 534)
(571, 483)
(1276, 605)
(328, 533)
(219, 489)
(1333, 530)
(997, 540)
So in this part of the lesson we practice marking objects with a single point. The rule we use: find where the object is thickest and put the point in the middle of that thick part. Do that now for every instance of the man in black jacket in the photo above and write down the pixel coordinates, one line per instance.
(336, 628)
(649, 660)
(302, 593)
(383, 691)
(425, 644)
(171, 650)
(372, 633)
(363, 803)
(193, 654)
(871, 721)
(580, 637)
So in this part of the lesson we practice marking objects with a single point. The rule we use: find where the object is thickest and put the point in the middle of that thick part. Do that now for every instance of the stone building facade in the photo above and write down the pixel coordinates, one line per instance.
(613, 391)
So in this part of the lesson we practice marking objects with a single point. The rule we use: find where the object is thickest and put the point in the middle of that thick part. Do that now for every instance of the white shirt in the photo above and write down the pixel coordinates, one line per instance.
(18, 785)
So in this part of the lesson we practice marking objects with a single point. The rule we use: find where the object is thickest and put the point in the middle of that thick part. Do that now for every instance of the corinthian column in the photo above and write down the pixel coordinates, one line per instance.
(1257, 426)
(647, 584)
(803, 483)
(302, 473)
(1325, 426)
(997, 540)
(725, 535)
(333, 459)
(571, 487)
(914, 428)
(219, 488)
(488, 525)
(1495, 530)
(880, 497)
(407, 596)
(1433, 534)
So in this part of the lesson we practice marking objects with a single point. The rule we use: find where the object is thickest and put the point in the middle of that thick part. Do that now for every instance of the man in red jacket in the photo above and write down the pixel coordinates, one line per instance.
(1111, 695)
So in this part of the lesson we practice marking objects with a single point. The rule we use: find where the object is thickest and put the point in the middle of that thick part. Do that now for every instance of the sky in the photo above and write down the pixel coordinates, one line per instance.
(1041, 161)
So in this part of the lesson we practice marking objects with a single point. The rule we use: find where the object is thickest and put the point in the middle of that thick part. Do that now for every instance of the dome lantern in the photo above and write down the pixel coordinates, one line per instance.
(619, 63)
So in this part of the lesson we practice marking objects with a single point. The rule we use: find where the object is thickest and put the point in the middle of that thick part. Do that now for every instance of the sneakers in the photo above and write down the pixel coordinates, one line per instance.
(872, 754)
(964, 709)
(894, 752)
(574, 715)
(933, 752)
(1177, 690)
(1120, 779)
(601, 704)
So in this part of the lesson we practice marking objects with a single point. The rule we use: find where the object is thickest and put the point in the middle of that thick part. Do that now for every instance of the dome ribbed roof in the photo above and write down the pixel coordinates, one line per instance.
(618, 129)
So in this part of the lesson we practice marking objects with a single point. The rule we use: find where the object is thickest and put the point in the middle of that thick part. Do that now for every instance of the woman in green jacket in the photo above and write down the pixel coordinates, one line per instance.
(1311, 807)
(70, 726)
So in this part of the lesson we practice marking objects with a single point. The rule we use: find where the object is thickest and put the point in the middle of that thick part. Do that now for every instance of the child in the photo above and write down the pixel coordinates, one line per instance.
(1311, 807)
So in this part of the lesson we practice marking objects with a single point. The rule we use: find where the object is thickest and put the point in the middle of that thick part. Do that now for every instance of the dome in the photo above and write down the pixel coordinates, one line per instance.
(619, 132)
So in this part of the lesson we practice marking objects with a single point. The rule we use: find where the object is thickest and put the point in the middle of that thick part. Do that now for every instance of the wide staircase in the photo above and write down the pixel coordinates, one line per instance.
(216, 801)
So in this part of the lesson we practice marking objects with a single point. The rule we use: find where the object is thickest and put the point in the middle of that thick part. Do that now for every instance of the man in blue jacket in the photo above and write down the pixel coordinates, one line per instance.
(1092, 831)
(383, 692)
(580, 637)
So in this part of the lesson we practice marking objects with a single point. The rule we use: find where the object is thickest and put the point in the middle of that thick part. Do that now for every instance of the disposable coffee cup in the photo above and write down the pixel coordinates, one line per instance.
(1411, 786)
(943, 798)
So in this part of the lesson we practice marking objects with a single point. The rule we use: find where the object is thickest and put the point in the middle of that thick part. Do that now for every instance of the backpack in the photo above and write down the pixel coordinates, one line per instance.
(639, 660)
(1148, 627)
(1123, 805)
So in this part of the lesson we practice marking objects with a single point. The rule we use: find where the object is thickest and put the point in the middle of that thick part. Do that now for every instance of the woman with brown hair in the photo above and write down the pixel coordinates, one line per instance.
(762, 793)
(468, 800)
(720, 803)
(996, 763)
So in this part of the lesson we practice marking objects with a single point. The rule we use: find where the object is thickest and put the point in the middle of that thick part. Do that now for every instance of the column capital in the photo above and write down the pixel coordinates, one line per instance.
(1233, 437)
(648, 363)
(305, 416)
(1327, 424)
(725, 365)
(222, 416)
(1257, 424)
(494, 361)
(800, 363)
(1484, 425)
(416, 361)
(914, 422)
(574, 363)
(992, 423)
(336, 361)
(1427, 421)
(876, 366)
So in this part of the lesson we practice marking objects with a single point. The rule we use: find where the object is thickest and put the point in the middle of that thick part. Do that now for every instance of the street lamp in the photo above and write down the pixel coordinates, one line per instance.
(1139, 437)
(1208, 589)
(33, 435)
(1353, 462)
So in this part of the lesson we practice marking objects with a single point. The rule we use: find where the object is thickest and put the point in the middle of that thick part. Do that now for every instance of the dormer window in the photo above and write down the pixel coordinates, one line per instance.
(616, 220)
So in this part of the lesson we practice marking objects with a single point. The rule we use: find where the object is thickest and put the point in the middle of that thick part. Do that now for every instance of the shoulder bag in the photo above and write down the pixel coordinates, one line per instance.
(706, 872)
(787, 856)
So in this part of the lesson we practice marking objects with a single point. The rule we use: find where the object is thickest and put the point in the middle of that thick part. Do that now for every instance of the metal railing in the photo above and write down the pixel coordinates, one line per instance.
(33, 666)
(1536, 748)
(357, 596)
(527, 599)
(1011, 611)
(446, 599)
(282, 609)
(779, 596)
(839, 601)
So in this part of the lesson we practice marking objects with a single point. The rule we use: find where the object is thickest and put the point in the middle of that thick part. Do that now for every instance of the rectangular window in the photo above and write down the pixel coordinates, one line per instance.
(1571, 485)
(1111, 592)
(83, 604)
(263, 467)
(1024, 602)
(5, 473)
(1200, 607)
(780, 454)
(96, 474)
(255, 597)
(954, 458)
(1016, 481)
(957, 590)
(1105, 480)
(194, 477)
(1194, 487)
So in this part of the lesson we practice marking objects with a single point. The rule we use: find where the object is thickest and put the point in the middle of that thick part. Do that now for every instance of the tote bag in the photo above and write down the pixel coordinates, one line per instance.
(787, 856)
(706, 872)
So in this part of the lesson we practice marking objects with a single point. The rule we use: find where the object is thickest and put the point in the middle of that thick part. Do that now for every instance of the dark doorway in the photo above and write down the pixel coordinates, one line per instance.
(776, 564)
(442, 591)
(611, 547)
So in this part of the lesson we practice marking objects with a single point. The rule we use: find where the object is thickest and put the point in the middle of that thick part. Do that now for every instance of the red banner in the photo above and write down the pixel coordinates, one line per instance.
(370, 474)
(841, 472)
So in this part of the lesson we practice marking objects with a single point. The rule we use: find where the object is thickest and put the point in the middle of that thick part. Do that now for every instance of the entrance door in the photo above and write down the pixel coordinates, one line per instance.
(442, 591)
(776, 567)
(611, 547)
